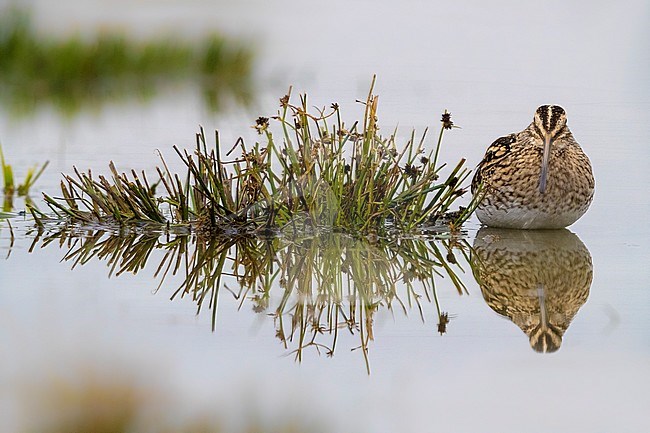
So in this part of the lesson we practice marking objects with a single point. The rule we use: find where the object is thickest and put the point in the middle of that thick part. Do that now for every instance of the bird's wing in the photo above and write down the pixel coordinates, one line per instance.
(496, 152)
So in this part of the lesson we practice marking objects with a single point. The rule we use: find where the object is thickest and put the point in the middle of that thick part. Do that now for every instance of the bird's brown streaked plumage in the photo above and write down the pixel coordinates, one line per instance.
(538, 178)
(538, 279)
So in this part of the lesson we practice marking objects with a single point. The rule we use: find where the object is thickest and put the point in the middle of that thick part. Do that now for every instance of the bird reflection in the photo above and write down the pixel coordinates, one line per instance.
(537, 279)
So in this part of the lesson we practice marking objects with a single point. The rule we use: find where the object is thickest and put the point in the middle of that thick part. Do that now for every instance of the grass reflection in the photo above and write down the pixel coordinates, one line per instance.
(75, 72)
(313, 287)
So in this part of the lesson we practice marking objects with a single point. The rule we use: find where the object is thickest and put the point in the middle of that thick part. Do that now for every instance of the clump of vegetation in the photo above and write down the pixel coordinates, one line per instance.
(319, 173)
(119, 200)
(73, 71)
(10, 188)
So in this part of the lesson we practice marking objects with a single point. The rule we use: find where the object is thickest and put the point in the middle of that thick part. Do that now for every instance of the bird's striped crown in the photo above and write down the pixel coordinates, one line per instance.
(549, 119)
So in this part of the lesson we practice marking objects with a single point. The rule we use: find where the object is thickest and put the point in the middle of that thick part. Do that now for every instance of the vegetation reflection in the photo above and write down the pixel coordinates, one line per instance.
(313, 287)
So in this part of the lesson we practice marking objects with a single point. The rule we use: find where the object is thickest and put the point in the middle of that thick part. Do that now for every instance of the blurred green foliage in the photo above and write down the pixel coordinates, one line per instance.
(73, 72)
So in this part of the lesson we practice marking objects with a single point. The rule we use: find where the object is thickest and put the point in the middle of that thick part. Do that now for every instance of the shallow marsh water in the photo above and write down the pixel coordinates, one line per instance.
(483, 63)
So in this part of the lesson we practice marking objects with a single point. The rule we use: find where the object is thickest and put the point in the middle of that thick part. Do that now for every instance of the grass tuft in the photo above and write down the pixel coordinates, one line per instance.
(122, 200)
(309, 171)
(10, 188)
(75, 71)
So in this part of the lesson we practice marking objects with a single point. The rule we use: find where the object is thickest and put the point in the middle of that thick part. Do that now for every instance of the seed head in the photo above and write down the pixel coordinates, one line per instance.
(446, 120)
(411, 171)
(261, 124)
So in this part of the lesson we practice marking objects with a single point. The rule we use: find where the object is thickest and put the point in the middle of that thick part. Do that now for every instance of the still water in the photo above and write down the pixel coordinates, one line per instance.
(580, 295)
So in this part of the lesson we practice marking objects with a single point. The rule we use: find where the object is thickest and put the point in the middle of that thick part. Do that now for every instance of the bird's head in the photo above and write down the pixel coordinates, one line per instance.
(549, 120)
(548, 124)
(545, 339)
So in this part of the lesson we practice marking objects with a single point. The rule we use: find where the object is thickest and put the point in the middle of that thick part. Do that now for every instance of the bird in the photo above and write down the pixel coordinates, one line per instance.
(538, 279)
(538, 178)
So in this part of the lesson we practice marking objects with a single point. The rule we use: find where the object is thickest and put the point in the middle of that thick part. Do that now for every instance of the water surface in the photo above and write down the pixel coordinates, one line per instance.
(491, 66)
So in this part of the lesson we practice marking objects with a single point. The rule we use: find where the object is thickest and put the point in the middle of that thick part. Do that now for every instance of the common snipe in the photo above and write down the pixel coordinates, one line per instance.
(538, 178)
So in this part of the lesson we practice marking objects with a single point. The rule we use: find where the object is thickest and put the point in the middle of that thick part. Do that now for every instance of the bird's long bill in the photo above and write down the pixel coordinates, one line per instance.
(545, 157)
